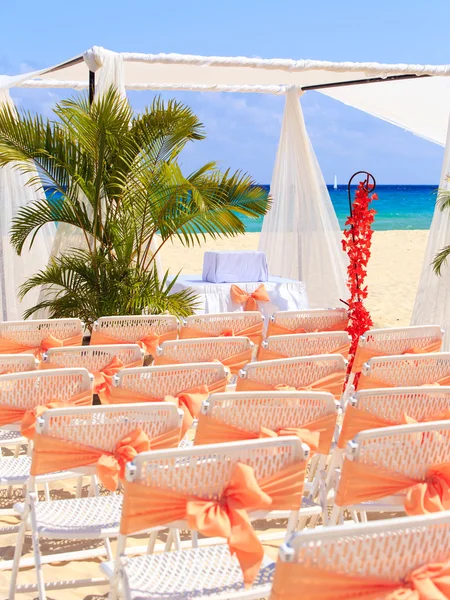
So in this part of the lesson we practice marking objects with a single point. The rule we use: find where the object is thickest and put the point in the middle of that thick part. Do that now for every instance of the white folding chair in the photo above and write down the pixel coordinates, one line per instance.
(307, 321)
(248, 324)
(305, 344)
(87, 518)
(202, 472)
(149, 331)
(26, 391)
(232, 352)
(406, 371)
(403, 451)
(244, 415)
(325, 373)
(35, 336)
(102, 361)
(396, 341)
(376, 553)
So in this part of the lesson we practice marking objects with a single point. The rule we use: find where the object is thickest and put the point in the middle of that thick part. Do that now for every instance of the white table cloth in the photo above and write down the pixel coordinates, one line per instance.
(285, 294)
(235, 265)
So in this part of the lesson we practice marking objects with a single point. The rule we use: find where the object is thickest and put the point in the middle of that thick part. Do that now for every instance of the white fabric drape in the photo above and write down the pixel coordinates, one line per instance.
(301, 235)
(15, 193)
(432, 304)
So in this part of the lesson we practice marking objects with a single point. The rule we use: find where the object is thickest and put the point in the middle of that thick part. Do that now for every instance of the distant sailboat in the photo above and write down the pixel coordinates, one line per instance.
(335, 182)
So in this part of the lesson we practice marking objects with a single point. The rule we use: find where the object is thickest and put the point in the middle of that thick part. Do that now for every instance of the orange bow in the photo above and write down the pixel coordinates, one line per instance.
(228, 518)
(311, 438)
(364, 482)
(11, 347)
(240, 296)
(428, 582)
(104, 377)
(190, 403)
(52, 454)
(364, 354)
(28, 423)
(111, 467)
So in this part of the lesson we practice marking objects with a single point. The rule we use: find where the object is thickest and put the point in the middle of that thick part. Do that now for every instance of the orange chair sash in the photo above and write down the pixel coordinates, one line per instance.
(148, 342)
(103, 379)
(189, 401)
(356, 420)
(428, 582)
(267, 354)
(146, 507)
(13, 414)
(52, 454)
(363, 482)
(316, 434)
(250, 300)
(254, 333)
(331, 383)
(275, 328)
(366, 382)
(364, 354)
(234, 362)
(11, 347)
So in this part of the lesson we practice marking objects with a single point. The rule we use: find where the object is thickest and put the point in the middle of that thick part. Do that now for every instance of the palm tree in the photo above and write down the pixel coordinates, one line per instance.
(440, 260)
(118, 183)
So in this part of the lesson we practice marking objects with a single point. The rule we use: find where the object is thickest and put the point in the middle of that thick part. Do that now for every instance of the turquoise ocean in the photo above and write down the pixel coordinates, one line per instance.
(398, 207)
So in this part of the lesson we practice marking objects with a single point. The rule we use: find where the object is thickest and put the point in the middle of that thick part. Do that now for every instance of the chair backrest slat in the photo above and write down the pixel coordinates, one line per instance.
(216, 324)
(204, 349)
(17, 363)
(204, 471)
(388, 549)
(307, 344)
(317, 319)
(274, 410)
(409, 369)
(93, 358)
(35, 388)
(104, 426)
(133, 328)
(32, 333)
(399, 340)
(161, 381)
(296, 372)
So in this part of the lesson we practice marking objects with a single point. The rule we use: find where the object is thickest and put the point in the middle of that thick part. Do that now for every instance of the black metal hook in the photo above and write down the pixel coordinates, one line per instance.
(368, 187)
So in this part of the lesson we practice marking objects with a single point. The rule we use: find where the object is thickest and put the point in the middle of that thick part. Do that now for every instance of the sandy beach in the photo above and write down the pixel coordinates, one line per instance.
(393, 271)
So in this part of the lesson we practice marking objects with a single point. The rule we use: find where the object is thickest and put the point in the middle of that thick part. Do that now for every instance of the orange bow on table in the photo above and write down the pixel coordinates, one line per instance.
(53, 454)
(240, 296)
(146, 507)
(428, 582)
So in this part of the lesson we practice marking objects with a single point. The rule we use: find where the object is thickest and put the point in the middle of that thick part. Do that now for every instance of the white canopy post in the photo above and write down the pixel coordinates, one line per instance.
(15, 192)
(432, 304)
(301, 235)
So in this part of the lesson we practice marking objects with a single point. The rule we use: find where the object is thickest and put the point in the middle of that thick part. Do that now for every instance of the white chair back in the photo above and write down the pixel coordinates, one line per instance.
(204, 349)
(216, 324)
(32, 333)
(307, 344)
(409, 369)
(131, 328)
(92, 358)
(17, 363)
(399, 340)
(313, 319)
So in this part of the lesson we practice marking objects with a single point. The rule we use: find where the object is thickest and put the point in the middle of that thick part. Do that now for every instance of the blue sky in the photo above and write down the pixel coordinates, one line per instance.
(243, 130)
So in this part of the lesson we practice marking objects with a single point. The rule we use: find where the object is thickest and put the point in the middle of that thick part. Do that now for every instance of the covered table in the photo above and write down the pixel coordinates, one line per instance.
(284, 294)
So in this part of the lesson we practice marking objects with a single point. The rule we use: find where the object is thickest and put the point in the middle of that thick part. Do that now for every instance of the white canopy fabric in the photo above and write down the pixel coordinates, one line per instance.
(301, 235)
(420, 103)
(15, 270)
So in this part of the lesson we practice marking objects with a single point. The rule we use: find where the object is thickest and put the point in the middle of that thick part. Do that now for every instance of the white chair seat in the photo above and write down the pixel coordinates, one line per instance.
(78, 517)
(11, 438)
(206, 572)
(14, 471)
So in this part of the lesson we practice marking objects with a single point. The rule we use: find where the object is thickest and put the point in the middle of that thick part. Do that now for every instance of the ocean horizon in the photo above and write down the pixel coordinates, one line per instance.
(398, 207)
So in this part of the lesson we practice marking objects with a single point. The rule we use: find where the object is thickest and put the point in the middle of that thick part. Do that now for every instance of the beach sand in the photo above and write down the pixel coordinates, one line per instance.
(393, 275)
(393, 270)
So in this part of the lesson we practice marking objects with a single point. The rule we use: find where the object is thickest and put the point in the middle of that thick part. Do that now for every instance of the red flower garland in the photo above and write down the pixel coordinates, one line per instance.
(357, 241)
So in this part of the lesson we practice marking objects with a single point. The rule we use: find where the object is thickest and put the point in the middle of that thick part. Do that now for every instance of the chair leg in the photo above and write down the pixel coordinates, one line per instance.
(335, 515)
(176, 539)
(47, 492)
(79, 487)
(151, 542)
(194, 535)
(115, 580)
(18, 554)
(109, 554)
(36, 549)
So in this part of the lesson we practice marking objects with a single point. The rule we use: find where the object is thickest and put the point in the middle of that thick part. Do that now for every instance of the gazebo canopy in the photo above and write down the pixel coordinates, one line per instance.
(300, 234)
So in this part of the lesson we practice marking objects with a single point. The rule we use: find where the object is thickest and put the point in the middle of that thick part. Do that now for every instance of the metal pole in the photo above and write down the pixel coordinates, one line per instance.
(91, 87)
